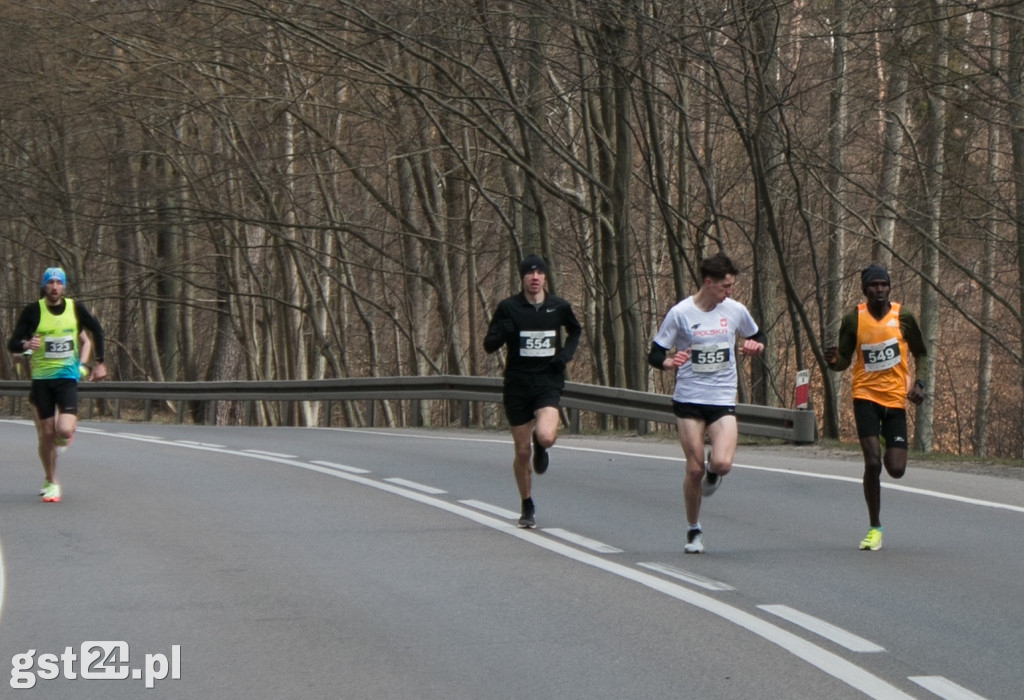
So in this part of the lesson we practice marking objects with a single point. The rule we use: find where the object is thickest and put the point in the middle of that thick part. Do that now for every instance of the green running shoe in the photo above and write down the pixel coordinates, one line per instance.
(62, 444)
(52, 494)
(46, 485)
(872, 540)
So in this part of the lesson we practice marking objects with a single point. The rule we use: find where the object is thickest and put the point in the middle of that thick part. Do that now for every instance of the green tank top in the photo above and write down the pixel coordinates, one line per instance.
(57, 356)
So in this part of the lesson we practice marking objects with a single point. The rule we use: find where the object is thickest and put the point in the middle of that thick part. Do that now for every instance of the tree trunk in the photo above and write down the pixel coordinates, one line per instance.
(934, 145)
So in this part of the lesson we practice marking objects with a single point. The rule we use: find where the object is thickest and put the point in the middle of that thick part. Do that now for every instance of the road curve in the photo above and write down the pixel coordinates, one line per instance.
(239, 562)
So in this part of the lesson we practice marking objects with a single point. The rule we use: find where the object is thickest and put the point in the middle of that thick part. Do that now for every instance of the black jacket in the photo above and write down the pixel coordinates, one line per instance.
(533, 336)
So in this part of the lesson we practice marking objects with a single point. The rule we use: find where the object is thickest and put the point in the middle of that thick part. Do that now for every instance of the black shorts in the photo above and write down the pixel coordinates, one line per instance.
(702, 412)
(873, 419)
(49, 394)
(521, 402)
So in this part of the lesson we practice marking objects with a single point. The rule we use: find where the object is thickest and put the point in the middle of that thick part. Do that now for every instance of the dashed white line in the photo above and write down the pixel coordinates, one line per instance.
(342, 467)
(945, 688)
(592, 545)
(423, 488)
(687, 576)
(137, 436)
(488, 508)
(823, 629)
(270, 454)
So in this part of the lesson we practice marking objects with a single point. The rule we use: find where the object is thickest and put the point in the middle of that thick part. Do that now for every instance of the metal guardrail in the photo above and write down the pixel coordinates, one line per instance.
(798, 426)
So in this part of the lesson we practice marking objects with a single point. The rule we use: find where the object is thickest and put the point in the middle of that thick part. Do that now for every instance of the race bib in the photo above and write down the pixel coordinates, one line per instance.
(713, 357)
(537, 343)
(58, 347)
(881, 356)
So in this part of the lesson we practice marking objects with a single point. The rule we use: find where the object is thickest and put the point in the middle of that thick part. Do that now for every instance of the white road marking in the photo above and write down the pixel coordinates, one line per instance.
(945, 688)
(592, 545)
(488, 508)
(687, 576)
(823, 629)
(418, 487)
(342, 467)
(270, 454)
(136, 436)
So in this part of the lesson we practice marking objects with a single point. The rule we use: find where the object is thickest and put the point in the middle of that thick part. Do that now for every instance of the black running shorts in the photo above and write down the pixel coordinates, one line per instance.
(520, 406)
(702, 412)
(874, 419)
(49, 394)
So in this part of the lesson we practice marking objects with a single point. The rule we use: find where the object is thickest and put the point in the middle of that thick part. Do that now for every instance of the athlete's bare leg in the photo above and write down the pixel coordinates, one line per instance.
(691, 437)
(724, 433)
(545, 425)
(522, 439)
(872, 478)
(46, 430)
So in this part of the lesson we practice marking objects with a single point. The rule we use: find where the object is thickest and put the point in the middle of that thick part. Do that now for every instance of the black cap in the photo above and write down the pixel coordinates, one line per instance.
(531, 263)
(872, 273)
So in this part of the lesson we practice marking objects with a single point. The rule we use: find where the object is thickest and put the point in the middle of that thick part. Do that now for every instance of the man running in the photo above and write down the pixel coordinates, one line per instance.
(529, 325)
(52, 329)
(697, 339)
(876, 337)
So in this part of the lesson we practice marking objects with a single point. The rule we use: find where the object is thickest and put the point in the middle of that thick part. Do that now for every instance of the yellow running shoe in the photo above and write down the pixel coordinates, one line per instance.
(872, 540)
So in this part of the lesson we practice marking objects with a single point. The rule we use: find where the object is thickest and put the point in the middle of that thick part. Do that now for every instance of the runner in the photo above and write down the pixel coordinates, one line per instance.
(529, 325)
(54, 331)
(697, 339)
(875, 337)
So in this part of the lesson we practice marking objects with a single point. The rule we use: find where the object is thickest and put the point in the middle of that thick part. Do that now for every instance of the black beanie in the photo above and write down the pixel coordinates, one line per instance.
(531, 263)
(871, 274)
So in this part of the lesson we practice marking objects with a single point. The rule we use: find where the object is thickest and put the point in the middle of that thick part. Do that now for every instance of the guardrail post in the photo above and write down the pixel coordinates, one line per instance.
(574, 420)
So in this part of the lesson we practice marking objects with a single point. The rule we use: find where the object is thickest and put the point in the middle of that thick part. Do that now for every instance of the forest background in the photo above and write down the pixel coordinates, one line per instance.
(295, 190)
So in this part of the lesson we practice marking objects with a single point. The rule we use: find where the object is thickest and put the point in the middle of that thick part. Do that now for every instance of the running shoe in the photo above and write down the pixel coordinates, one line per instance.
(46, 485)
(711, 481)
(52, 493)
(526, 519)
(694, 541)
(540, 457)
(872, 540)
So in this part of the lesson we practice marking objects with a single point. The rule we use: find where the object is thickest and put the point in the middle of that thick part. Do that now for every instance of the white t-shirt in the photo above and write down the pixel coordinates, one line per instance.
(709, 376)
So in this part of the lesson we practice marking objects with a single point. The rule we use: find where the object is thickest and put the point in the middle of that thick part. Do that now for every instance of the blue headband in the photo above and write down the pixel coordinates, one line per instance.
(54, 273)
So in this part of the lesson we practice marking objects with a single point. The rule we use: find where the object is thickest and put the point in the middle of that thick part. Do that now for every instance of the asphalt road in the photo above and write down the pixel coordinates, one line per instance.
(288, 563)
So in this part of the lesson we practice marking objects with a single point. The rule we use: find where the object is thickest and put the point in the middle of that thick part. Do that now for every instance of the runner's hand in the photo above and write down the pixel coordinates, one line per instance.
(507, 328)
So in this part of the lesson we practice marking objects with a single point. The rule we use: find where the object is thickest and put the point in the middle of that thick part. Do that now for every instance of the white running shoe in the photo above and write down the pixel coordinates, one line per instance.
(694, 542)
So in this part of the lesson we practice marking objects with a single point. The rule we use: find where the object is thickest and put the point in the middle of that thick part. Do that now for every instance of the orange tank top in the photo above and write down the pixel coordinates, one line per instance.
(880, 372)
